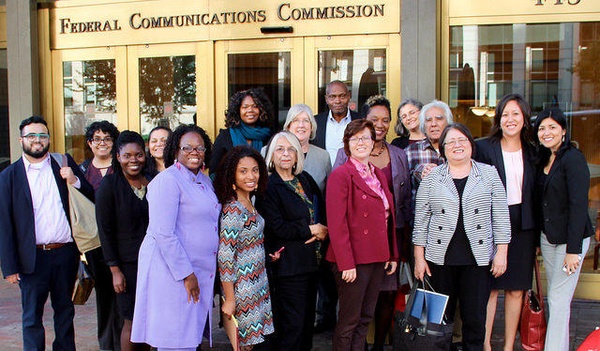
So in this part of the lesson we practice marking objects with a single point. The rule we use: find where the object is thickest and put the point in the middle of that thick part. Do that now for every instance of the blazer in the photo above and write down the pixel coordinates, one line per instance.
(17, 223)
(321, 133)
(490, 152)
(286, 224)
(122, 220)
(222, 144)
(485, 213)
(358, 230)
(564, 201)
(400, 180)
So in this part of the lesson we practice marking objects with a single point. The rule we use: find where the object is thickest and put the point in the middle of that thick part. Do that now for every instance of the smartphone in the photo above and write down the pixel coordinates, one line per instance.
(564, 268)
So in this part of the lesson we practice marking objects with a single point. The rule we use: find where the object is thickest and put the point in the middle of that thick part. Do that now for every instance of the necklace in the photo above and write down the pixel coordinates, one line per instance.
(381, 149)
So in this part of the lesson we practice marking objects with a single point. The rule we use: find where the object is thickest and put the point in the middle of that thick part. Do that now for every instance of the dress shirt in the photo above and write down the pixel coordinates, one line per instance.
(51, 222)
(419, 154)
(369, 177)
(335, 134)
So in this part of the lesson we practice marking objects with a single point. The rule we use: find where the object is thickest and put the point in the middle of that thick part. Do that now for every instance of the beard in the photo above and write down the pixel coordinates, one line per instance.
(28, 150)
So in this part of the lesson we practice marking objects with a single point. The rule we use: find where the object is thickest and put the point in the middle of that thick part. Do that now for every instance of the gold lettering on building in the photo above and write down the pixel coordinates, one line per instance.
(556, 2)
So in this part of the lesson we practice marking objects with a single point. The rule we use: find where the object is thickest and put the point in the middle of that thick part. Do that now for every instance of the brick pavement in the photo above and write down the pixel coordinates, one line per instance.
(585, 315)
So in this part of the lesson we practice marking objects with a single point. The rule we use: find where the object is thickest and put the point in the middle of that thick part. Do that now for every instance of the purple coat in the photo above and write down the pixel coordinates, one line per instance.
(182, 238)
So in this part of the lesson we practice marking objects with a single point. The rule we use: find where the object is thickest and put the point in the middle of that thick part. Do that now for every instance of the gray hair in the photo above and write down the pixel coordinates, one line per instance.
(295, 111)
(399, 128)
(291, 138)
(435, 103)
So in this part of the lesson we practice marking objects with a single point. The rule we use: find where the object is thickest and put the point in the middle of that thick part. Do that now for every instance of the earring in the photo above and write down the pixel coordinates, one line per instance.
(294, 168)
(203, 167)
(234, 187)
(271, 166)
(563, 139)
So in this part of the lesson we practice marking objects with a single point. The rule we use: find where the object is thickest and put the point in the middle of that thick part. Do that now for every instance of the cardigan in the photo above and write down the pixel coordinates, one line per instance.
(358, 229)
(563, 206)
(122, 220)
(287, 221)
(400, 180)
(485, 213)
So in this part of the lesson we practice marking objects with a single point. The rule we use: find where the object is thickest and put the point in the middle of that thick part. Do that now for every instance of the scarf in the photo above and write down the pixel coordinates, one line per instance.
(244, 132)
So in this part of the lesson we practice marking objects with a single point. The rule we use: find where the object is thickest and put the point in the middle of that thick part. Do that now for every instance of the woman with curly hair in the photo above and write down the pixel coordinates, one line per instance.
(247, 122)
(178, 258)
(241, 258)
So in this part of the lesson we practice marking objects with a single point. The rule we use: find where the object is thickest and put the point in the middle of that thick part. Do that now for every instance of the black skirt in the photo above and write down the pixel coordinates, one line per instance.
(521, 256)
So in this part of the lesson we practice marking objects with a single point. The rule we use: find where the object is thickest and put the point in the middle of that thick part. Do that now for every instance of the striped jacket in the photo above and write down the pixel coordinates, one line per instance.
(485, 213)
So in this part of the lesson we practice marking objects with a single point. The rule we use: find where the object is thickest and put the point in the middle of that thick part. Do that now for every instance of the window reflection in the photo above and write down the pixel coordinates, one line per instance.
(549, 64)
(89, 90)
(364, 72)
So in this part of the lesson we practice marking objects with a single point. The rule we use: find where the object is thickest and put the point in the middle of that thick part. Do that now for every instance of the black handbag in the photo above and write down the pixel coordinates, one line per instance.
(411, 333)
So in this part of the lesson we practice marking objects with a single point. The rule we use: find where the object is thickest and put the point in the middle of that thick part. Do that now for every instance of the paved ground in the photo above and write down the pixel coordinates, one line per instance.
(585, 315)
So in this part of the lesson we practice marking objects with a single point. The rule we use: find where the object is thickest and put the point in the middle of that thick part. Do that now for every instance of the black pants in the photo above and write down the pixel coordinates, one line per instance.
(294, 313)
(470, 285)
(109, 320)
(55, 273)
(326, 295)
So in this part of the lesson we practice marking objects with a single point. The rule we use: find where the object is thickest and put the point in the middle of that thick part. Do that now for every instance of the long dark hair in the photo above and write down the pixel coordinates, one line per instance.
(124, 138)
(150, 160)
(232, 114)
(527, 139)
(556, 114)
(226, 171)
(172, 146)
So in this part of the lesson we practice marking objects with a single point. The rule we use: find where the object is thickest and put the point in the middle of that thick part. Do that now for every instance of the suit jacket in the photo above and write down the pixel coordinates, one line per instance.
(485, 213)
(17, 223)
(286, 224)
(358, 230)
(490, 152)
(564, 201)
(122, 220)
(321, 119)
(400, 181)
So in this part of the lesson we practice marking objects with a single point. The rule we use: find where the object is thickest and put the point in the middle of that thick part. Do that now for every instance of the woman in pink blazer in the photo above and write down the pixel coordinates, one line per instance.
(363, 247)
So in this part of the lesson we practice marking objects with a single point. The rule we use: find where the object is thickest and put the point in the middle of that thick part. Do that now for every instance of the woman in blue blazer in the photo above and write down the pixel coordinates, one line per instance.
(562, 186)
(456, 242)
(510, 149)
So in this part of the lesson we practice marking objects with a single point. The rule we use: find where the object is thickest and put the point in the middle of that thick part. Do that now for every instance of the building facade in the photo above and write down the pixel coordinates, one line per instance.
(149, 62)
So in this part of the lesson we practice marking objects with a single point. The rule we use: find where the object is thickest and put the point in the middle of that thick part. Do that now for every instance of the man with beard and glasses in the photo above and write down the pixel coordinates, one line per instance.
(37, 250)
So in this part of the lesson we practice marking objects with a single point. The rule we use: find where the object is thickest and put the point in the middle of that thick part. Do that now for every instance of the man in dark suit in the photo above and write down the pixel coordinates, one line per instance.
(37, 250)
(332, 123)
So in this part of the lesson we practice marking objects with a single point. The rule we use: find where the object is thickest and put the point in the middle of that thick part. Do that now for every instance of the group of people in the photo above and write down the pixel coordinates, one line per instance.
(300, 221)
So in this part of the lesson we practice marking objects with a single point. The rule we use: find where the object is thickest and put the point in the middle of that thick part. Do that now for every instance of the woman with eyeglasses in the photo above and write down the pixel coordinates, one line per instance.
(294, 214)
(178, 257)
(408, 127)
(364, 248)
(247, 120)
(157, 140)
(100, 137)
(461, 231)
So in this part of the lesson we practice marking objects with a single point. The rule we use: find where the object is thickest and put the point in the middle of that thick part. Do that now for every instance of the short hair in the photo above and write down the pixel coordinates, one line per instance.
(559, 116)
(226, 172)
(295, 111)
(265, 108)
(354, 127)
(172, 145)
(31, 120)
(526, 132)
(399, 128)
(463, 130)
(375, 100)
(291, 138)
(334, 82)
(126, 137)
(438, 104)
(104, 127)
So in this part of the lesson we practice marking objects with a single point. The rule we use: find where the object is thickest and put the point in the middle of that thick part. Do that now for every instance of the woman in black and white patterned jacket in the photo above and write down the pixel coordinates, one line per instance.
(461, 231)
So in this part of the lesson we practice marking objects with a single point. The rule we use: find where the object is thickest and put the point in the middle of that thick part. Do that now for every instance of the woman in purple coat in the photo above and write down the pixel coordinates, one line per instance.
(177, 261)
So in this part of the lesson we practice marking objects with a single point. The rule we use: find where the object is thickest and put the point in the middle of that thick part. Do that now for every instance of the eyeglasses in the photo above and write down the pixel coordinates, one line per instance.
(300, 121)
(362, 139)
(410, 113)
(455, 142)
(98, 140)
(31, 137)
(282, 149)
(188, 149)
(338, 96)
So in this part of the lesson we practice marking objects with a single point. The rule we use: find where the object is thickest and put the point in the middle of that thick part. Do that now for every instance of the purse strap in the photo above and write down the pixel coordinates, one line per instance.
(538, 282)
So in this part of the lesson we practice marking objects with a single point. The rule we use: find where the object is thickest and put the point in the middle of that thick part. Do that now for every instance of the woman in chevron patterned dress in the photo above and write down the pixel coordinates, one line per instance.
(241, 257)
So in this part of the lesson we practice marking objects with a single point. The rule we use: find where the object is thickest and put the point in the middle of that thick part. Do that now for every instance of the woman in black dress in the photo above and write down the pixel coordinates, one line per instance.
(122, 216)
(510, 149)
